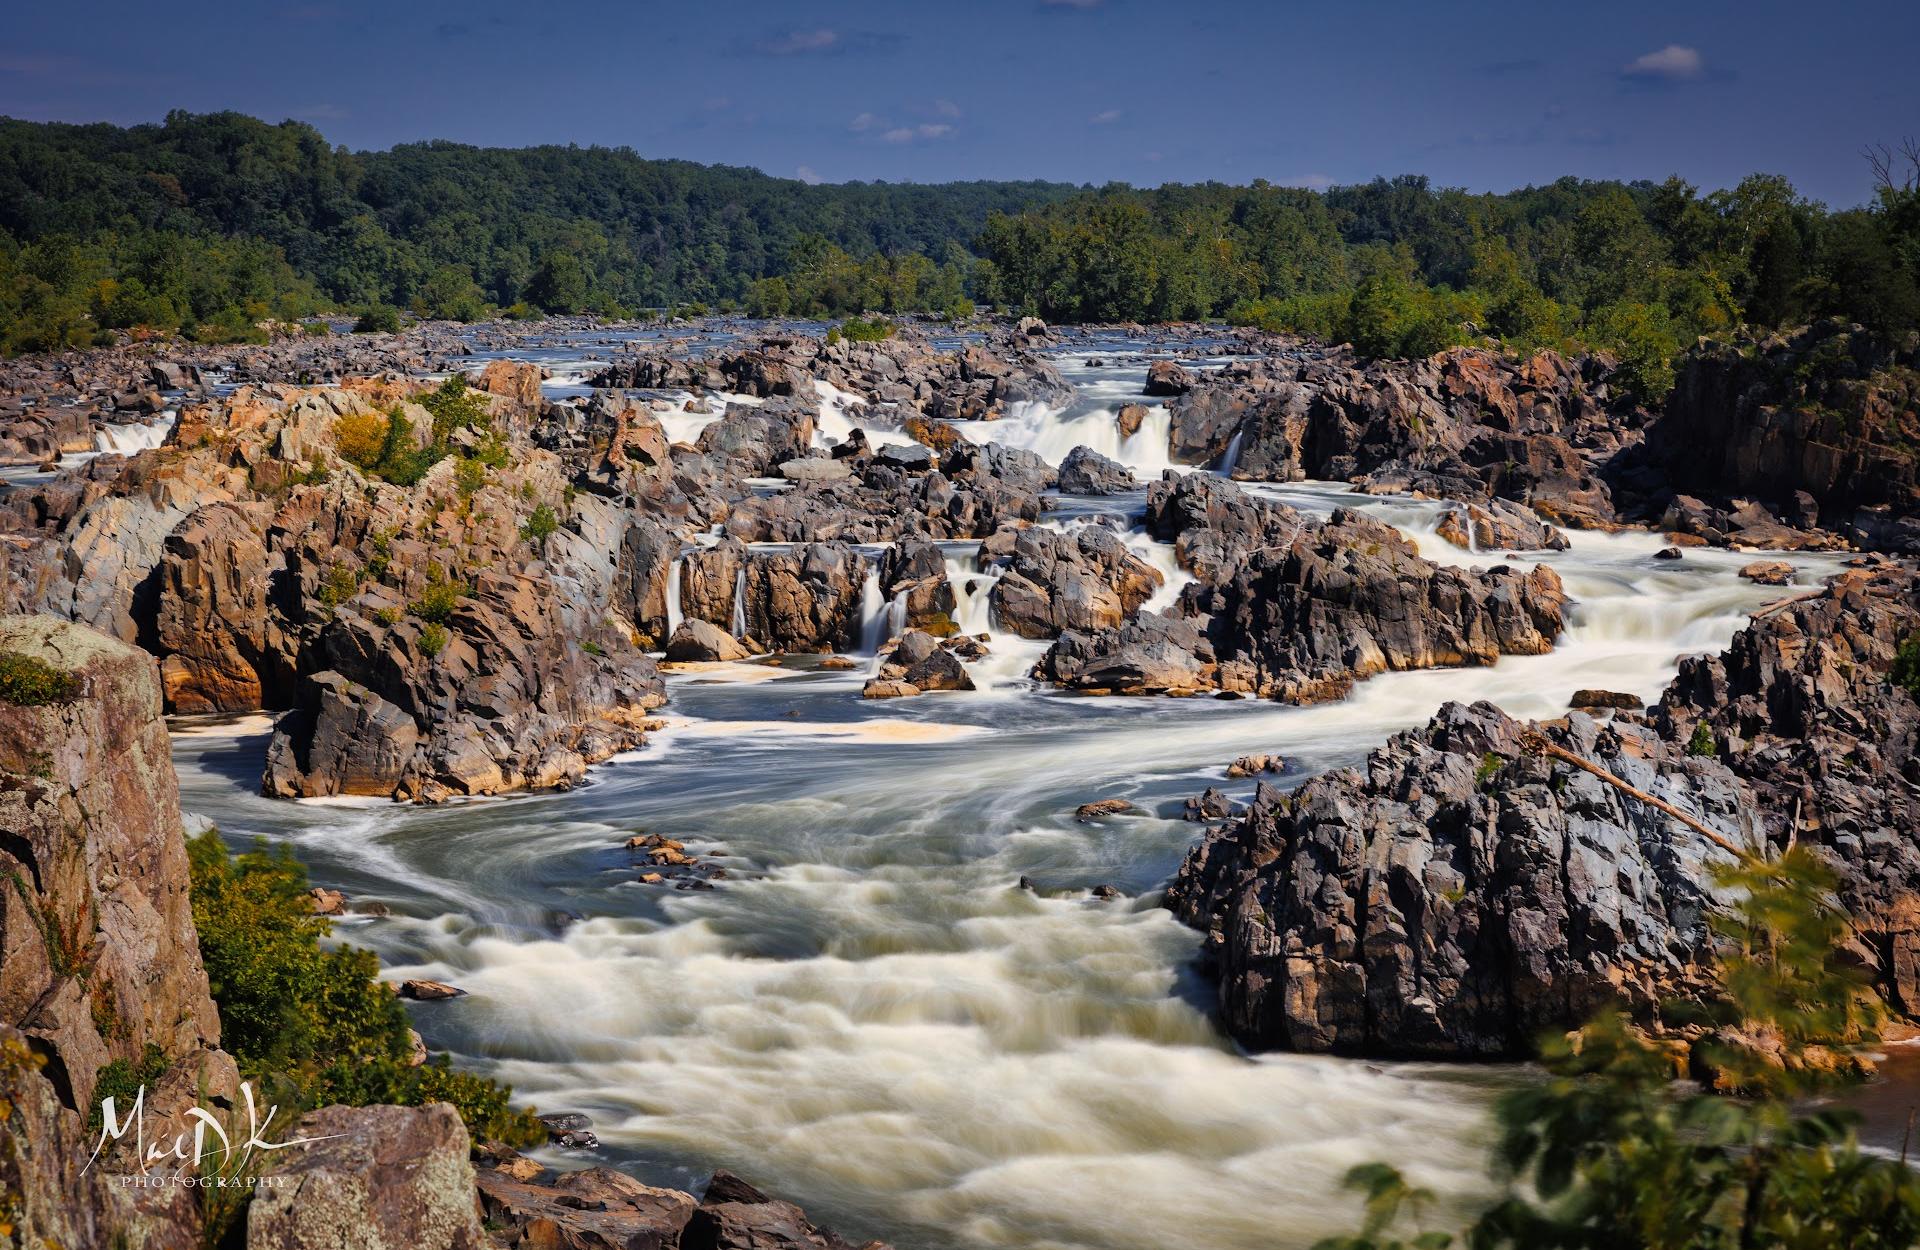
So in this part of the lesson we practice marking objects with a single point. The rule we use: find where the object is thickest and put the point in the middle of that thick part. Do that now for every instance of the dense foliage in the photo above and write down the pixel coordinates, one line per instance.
(311, 1023)
(1400, 268)
(214, 223)
(1604, 1152)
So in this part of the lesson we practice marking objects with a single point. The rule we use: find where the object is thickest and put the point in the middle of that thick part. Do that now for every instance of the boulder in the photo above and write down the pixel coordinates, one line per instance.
(1164, 377)
(1087, 472)
(695, 641)
(375, 1178)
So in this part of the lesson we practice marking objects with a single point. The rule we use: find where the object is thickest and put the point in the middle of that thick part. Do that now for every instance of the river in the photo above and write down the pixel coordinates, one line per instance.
(868, 1016)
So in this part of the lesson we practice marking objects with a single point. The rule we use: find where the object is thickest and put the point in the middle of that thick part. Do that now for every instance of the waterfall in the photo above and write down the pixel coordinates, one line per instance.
(972, 598)
(873, 613)
(740, 602)
(1232, 455)
(136, 437)
(674, 614)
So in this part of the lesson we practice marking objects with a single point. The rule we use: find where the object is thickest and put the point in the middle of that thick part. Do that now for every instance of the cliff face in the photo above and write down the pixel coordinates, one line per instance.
(98, 956)
(1831, 412)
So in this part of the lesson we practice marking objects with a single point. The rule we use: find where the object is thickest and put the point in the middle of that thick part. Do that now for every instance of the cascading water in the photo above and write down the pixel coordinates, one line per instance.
(674, 612)
(868, 1016)
(740, 602)
(134, 437)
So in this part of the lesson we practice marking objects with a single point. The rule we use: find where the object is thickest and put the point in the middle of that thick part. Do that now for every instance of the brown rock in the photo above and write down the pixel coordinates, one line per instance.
(1100, 808)
(1769, 573)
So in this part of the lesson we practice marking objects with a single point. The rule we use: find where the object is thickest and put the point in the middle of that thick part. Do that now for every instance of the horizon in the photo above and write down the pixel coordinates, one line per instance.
(861, 92)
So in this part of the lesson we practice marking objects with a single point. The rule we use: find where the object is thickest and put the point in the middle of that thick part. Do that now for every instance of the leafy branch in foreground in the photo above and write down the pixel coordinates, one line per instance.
(1608, 1152)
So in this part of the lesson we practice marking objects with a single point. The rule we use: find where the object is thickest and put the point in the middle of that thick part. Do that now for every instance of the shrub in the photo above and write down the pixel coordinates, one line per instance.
(456, 406)
(121, 1081)
(378, 319)
(861, 330)
(317, 330)
(540, 526)
(469, 475)
(437, 602)
(340, 583)
(1702, 742)
(1906, 666)
(313, 1023)
(361, 437)
(29, 681)
(433, 639)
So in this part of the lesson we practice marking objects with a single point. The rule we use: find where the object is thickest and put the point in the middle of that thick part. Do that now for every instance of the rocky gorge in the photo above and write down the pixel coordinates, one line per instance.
(649, 591)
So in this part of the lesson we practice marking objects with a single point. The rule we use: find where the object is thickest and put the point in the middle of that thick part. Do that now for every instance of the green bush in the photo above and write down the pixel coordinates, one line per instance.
(433, 639)
(29, 681)
(378, 319)
(1702, 743)
(313, 1023)
(1906, 666)
(540, 526)
(456, 406)
(863, 330)
(437, 602)
(121, 1081)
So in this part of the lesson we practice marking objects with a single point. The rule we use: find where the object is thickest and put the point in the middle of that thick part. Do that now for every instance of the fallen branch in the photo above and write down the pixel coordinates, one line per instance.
(1538, 742)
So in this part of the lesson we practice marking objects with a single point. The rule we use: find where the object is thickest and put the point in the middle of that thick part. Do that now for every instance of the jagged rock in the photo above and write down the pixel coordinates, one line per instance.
(593, 1209)
(1459, 894)
(1087, 472)
(816, 469)
(1499, 525)
(1101, 808)
(1055, 582)
(807, 599)
(917, 660)
(382, 1178)
(1209, 804)
(99, 960)
(733, 1215)
(1129, 419)
(1252, 765)
(1149, 654)
(1826, 412)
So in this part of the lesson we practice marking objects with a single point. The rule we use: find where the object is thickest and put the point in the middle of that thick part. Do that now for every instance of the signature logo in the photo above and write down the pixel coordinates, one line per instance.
(207, 1140)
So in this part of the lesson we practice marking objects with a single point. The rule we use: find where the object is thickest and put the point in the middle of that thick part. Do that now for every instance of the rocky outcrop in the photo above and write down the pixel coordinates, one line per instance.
(1468, 888)
(529, 1208)
(1055, 582)
(1467, 424)
(1302, 619)
(1459, 894)
(99, 961)
(1831, 413)
(1087, 472)
(808, 599)
(376, 1178)
(905, 374)
(1499, 525)
(1802, 706)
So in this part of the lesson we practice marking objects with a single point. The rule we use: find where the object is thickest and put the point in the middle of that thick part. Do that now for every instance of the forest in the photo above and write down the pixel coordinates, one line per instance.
(213, 224)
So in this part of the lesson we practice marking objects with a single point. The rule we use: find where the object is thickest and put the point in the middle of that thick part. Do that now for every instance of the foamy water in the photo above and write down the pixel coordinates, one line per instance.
(868, 1015)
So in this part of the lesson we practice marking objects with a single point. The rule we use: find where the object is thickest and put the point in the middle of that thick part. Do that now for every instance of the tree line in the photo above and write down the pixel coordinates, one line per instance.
(213, 223)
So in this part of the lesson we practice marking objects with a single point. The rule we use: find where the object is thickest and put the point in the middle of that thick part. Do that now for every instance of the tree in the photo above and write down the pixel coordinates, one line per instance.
(559, 283)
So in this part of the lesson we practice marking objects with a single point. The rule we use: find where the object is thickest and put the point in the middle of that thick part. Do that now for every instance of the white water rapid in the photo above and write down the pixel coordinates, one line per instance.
(868, 1016)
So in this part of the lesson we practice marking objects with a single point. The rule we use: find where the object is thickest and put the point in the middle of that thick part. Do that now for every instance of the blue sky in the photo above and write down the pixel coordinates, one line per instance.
(1484, 95)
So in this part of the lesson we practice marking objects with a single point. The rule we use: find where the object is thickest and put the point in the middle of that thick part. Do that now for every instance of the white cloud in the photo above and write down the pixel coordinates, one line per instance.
(1673, 63)
(807, 175)
(946, 108)
(909, 134)
(1105, 117)
(865, 122)
(800, 42)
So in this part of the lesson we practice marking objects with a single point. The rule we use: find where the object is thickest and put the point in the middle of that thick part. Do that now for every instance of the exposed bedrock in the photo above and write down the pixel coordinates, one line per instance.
(1464, 889)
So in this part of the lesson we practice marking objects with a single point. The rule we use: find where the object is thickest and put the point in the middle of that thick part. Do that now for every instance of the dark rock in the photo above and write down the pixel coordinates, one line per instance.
(1087, 472)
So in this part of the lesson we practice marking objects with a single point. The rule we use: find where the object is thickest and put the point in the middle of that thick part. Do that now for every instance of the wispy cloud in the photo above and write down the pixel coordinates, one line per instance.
(946, 108)
(1673, 63)
(800, 42)
(824, 41)
(864, 122)
(916, 134)
(1106, 117)
(807, 174)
